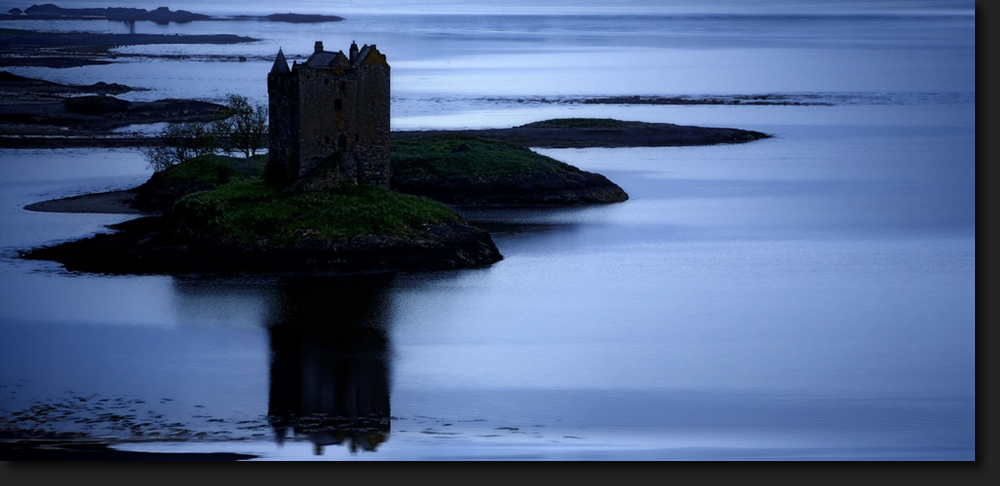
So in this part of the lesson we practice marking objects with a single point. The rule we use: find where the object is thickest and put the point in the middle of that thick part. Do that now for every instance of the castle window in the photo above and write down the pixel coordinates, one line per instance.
(343, 86)
(356, 137)
(338, 104)
(342, 143)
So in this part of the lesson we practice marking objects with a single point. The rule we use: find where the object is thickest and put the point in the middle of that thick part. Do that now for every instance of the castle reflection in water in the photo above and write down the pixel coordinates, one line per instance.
(330, 363)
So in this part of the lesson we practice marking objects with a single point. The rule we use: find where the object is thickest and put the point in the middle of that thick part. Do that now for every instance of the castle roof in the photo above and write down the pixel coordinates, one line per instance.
(363, 53)
(325, 59)
(321, 59)
(280, 64)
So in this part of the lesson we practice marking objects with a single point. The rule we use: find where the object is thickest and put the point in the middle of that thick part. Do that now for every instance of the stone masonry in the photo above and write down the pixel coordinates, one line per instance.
(329, 117)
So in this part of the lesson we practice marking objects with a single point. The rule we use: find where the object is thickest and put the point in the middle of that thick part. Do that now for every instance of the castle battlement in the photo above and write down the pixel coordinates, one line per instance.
(331, 111)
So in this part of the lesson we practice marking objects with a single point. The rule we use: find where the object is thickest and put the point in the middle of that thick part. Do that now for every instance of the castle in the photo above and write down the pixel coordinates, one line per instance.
(331, 112)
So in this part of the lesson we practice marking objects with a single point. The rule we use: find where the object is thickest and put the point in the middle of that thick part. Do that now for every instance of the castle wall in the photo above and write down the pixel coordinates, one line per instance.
(283, 116)
(333, 113)
(327, 117)
(372, 119)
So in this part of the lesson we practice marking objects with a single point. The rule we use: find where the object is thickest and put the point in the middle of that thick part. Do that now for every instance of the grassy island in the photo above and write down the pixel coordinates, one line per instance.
(215, 214)
(599, 132)
(453, 169)
(469, 160)
(468, 170)
(220, 215)
(254, 211)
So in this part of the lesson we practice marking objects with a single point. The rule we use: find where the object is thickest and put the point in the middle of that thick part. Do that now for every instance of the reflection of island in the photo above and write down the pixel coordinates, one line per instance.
(329, 362)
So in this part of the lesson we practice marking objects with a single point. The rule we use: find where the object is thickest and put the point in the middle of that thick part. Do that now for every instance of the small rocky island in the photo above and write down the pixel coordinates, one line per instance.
(320, 201)
(330, 195)
(466, 170)
(229, 219)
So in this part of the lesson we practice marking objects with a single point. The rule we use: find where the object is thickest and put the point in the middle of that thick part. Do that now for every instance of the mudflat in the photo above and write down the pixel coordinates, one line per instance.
(113, 202)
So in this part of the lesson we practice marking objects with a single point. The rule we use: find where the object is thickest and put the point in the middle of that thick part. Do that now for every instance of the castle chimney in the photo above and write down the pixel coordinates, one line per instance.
(354, 51)
(319, 46)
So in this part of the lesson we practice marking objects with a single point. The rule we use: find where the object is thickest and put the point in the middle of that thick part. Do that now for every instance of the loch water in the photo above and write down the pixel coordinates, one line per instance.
(809, 296)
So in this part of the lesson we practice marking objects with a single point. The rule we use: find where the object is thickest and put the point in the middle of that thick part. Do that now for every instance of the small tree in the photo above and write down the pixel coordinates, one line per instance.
(180, 142)
(241, 127)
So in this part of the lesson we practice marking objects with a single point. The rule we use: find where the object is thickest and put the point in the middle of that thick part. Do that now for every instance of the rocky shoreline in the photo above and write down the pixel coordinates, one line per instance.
(150, 245)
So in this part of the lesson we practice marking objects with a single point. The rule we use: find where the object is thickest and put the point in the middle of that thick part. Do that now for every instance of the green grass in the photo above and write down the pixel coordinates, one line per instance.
(247, 208)
(214, 169)
(464, 159)
(251, 209)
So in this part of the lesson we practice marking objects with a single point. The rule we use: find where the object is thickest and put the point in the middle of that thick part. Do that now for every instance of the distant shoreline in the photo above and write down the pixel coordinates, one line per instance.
(34, 114)
(161, 15)
(74, 49)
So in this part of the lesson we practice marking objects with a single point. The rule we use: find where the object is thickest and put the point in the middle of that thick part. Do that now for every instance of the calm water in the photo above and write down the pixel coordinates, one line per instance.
(809, 296)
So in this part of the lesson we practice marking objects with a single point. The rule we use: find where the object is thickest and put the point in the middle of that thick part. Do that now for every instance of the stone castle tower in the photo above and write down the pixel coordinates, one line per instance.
(331, 111)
